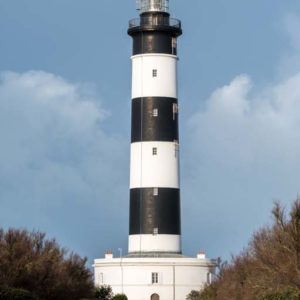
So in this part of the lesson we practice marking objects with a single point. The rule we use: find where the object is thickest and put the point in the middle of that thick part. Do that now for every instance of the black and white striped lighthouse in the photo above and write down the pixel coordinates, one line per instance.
(154, 267)
(154, 166)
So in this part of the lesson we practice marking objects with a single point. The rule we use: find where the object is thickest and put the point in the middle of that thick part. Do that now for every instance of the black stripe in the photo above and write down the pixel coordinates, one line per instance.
(153, 42)
(146, 127)
(153, 33)
(148, 211)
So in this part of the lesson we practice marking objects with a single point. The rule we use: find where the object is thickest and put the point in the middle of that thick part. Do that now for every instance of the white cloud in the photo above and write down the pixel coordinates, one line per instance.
(56, 161)
(242, 153)
(251, 128)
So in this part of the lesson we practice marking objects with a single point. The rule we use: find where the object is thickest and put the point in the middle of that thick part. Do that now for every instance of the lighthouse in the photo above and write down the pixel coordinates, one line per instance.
(154, 267)
(154, 162)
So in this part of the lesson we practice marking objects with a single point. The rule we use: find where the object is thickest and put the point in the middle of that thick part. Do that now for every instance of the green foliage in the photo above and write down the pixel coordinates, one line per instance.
(208, 293)
(30, 261)
(15, 294)
(120, 297)
(104, 292)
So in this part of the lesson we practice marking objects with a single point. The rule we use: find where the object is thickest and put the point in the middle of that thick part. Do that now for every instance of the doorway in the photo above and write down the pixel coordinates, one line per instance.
(155, 297)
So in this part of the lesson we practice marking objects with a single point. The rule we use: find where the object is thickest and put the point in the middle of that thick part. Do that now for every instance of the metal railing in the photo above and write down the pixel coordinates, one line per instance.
(152, 22)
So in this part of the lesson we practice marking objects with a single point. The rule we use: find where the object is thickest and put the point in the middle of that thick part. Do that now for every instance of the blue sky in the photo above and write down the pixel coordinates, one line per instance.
(65, 119)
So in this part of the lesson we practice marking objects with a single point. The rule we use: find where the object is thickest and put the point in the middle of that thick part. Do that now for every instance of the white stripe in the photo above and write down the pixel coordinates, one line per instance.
(148, 170)
(151, 243)
(143, 82)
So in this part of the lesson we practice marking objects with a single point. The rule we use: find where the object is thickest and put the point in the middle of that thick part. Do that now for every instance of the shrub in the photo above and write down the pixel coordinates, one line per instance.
(193, 295)
(120, 297)
(104, 292)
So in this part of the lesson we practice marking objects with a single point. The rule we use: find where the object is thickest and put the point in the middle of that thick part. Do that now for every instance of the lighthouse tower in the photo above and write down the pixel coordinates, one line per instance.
(154, 167)
(154, 268)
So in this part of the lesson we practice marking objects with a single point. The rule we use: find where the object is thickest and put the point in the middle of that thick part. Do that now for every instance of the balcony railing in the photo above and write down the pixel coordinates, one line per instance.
(153, 22)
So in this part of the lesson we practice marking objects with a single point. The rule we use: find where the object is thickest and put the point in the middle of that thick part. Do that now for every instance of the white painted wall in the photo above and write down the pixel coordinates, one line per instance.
(145, 85)
(186, 273)
(150, 243)
(148, 170)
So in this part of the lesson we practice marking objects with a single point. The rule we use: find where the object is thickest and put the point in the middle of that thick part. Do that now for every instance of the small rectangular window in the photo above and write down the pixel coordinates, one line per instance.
(155, 112)
(174, 42)
(155, 191)
(155, 231)
(154, 151)
(100, 278)
(174, 46)
(154, 73)
(154, 278)
(208, 278)
(175, 110)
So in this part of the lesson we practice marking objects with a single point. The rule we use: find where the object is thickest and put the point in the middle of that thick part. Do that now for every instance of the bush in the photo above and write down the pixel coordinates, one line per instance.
(120, 297)
(104, 292)
(193, 295)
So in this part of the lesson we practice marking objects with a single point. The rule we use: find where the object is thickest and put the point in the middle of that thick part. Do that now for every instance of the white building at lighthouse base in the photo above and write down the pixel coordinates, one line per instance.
(154, 276)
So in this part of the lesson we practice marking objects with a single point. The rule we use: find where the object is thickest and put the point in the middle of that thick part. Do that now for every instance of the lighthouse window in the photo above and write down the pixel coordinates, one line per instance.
(155, 192)
(154, 278)
(175, 110)
(154, 151)
(100, 278)
(174, 45)
(208, 278)
(155, 112)
(174, 42)
(155, 231)
(154, 73)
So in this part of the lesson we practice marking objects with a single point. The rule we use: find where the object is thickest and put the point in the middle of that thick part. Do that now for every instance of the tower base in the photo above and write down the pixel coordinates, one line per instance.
(148, 276)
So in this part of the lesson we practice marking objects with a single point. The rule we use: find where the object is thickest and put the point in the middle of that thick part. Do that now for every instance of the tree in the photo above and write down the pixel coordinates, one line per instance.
(104, 292)
(269, 268)
(30, 261)
(120, 297)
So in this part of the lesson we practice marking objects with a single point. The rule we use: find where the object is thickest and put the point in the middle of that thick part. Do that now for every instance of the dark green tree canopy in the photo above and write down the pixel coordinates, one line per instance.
(120, 297)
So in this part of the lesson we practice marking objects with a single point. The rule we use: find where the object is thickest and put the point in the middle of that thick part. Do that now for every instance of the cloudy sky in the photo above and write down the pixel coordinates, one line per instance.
(65, 119)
